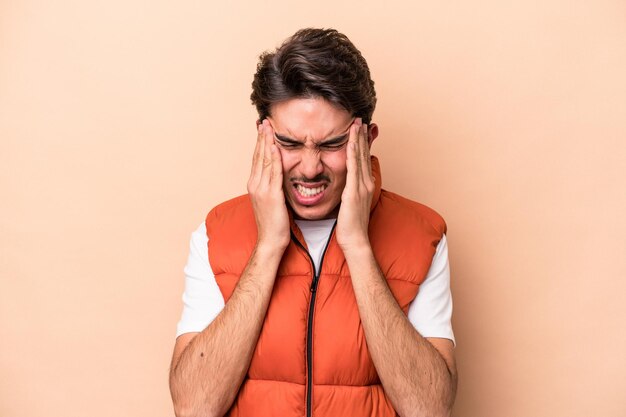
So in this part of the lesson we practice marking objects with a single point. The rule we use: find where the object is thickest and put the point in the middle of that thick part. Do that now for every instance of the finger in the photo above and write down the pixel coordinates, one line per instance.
(358, 146)
(258, 157)
(275, 163)
(277, 167)
(351, 159)
(266, 162)
(366, 164)
(353, 133)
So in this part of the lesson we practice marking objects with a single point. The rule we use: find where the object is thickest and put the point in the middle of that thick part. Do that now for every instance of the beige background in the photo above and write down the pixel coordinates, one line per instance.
(123, 122)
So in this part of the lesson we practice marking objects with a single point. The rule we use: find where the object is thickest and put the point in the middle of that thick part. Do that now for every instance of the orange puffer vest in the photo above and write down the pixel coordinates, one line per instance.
(311, 358)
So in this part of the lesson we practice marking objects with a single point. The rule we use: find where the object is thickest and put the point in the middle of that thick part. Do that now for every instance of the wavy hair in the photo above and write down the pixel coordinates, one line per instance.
(315, 63)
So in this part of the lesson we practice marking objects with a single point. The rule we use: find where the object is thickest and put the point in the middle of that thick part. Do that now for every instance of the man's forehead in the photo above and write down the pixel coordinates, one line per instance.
(312, 119)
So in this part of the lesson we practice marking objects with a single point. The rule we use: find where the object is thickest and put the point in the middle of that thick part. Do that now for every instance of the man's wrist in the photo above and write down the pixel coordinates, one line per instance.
(358, 253)
(269, 250)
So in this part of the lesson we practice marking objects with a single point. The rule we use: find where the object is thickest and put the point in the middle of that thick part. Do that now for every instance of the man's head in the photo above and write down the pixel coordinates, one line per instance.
(315, 63)
(311, 89)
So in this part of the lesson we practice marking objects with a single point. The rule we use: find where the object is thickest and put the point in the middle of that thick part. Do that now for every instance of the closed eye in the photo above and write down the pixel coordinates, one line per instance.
(330, 145)
(289, 145)
(333, 146)
(286, 142)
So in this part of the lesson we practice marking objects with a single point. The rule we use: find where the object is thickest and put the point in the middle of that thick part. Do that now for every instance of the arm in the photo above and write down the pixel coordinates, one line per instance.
(418, 375)
(208, 368)
(206, 373)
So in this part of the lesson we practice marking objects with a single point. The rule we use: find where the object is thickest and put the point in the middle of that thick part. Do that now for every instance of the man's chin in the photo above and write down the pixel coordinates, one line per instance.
(317, 212)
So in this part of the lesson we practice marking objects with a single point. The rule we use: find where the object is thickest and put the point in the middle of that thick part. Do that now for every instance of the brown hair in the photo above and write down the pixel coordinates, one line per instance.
(315, 63)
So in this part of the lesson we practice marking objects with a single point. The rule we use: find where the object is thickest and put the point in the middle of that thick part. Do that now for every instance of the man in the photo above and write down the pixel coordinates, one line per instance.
(304, 302)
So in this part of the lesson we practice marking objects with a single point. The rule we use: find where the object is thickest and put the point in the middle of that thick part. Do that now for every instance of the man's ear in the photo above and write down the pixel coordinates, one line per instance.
(372, 133)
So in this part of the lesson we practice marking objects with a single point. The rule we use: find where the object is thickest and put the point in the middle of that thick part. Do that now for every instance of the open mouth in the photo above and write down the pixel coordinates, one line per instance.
(307, 195)
(309, 192)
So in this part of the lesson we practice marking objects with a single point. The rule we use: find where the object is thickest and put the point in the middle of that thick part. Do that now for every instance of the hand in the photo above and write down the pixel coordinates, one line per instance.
(354, 213)
(265, 187)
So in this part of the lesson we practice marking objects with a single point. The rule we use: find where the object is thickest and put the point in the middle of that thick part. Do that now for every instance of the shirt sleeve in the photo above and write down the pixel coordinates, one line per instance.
(202, 298)
(431, 310)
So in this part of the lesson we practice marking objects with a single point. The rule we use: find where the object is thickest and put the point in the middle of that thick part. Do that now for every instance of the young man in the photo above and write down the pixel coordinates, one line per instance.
(317, 293)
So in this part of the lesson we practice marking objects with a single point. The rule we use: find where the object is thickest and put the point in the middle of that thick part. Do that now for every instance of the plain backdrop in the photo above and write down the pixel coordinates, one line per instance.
(123, 122)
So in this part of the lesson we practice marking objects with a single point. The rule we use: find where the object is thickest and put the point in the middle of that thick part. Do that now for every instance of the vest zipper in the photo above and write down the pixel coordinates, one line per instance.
(309, 332)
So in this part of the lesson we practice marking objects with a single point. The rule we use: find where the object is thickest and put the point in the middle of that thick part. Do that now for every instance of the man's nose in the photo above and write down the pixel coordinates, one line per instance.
(311, 163)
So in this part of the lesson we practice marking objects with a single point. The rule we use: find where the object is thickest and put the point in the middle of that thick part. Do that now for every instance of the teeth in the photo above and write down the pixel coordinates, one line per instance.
(309, 192)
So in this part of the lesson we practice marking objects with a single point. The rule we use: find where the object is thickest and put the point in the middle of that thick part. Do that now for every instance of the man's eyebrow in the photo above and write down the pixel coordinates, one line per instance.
(286, 139)
(335, 140)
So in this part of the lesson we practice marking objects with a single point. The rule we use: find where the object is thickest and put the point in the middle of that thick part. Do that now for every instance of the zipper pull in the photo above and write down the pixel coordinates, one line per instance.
(314, 285)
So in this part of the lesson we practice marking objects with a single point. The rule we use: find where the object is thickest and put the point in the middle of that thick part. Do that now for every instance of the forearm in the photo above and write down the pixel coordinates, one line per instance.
(414, 375)
(209, 372)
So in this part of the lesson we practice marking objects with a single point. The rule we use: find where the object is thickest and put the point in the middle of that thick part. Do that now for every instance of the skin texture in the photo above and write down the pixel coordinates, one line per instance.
(418, 374)
(208, 368)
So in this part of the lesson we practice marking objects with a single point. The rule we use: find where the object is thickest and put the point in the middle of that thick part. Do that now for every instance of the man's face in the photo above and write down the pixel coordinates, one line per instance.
(312, 136)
